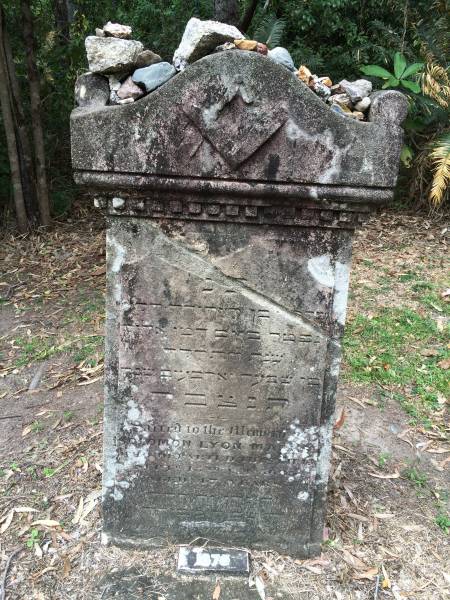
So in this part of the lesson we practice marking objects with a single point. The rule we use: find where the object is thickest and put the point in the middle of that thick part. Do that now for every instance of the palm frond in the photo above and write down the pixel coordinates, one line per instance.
(436, 84)
(270, 30)
(440, 159)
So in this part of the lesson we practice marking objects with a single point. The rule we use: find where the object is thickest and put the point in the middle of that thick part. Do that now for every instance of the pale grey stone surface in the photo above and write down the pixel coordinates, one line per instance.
(357, 90)
(147, 58)
(154, 76)
(208, 122)
(129, 89)
(117, 30)
(111, 55)
(282, 57)
(91, 90)
(200, 38)
(363, 104)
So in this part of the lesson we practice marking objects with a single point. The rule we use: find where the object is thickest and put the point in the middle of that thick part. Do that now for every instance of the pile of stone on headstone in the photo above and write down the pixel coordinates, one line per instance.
(122, 71)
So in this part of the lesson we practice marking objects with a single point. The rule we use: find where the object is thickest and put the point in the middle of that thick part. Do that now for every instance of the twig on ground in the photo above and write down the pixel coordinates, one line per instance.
(5, 573)
(377, 586)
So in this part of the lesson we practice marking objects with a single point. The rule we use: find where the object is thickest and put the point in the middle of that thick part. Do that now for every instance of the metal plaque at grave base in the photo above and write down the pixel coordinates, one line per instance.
(231, 196)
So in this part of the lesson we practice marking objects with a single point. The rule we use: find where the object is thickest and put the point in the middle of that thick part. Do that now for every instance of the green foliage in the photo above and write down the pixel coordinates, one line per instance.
(270, 31)
(377, 350)
(443, 522)
(401, 77)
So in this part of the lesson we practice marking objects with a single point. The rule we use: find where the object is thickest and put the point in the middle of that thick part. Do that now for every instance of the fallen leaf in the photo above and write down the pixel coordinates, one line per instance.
(78, 512)
(8, 521)
(46, 523)
(444, 364)
(341, 420)
(353, 561)
(216, 593)
(395, 475)
(260, 588)
(369, 574)
(429, 352)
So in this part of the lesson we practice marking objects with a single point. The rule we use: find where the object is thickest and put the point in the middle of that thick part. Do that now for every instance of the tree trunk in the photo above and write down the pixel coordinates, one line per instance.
(226, 11)
(248, 16)
(35, 103)
(22, 137)
(11, 141)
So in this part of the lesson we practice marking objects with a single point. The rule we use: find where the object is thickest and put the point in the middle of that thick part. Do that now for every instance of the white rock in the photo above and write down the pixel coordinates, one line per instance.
(99, 32)
(114, 83)
(357, 90)
(118, 31)
(111, 55)
(125, 101)
(201, 38)
(282, 57)
(363, 104)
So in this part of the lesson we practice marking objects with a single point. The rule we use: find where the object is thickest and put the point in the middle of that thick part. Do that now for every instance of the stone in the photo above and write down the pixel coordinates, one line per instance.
(91, 90)
(114, 82)
(118, 31)
(326, 81)
(99, 32)
(129, 89)
(250, 45)
(198, 559)
(154, 76)
(226, 46)
(363, 104)
(170, 142)
(262, 49)
(111, 55)
(355, 114)
(113, 97)
(125, 101)
(357, 90)
(147, 58)
(341, 99)
(201, 38)
(232, 196)
(320, 88)
(304, 74)
(282, 57)
(388, 107)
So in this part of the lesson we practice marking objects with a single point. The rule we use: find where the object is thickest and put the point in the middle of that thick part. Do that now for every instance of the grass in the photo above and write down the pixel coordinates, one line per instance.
(391, 347)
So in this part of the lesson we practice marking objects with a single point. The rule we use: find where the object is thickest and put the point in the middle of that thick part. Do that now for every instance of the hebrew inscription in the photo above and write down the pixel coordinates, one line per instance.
(219, 395)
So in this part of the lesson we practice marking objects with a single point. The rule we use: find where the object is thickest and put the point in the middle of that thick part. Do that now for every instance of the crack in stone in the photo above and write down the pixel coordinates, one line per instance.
(178, 256)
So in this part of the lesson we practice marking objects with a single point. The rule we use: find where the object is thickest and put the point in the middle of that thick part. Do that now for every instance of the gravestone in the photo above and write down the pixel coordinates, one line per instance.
(231, 195)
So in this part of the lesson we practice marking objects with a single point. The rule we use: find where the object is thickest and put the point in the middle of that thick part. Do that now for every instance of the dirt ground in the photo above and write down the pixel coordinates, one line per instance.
(389, 482)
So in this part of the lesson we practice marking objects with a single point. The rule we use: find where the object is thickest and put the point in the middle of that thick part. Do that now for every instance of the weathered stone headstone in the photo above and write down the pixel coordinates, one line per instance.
(231, 194)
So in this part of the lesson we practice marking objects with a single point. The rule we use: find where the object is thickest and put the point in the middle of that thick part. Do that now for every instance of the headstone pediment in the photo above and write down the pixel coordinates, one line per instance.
(238, 115)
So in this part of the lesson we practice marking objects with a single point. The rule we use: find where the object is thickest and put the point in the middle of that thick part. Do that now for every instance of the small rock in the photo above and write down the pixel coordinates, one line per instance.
(114, 83)
(304, 74)
(147, 58)
(129, 90)
(125, 101)
(91, 90)
(326, 81)
(363, 104)
(359, 116)
(118, 31)
(340, 110)
(99, 32)
(282, 57)
(113, 97)
(341, 99)
(250, 45)
(262, 49)
(201, 38)
(336, 89)
(357, 90)
(319, 88)
(226, 46)
(118, 203)
(154, 76)
(111, 55)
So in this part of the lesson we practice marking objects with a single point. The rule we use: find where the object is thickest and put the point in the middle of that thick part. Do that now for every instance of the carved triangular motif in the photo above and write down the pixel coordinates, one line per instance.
(237, 125)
